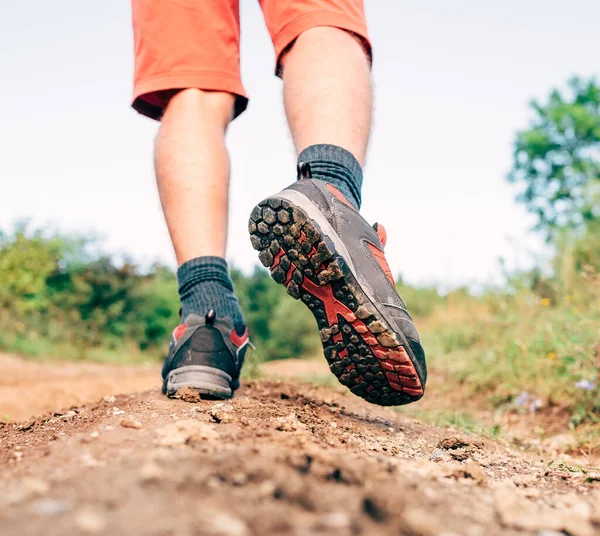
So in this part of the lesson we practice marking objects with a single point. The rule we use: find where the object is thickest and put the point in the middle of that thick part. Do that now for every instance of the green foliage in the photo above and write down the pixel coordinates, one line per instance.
(458, 419)
(557, 159)
(421, 301)
(539, 335)
(55, 294)
(279, 326)
(57, 298)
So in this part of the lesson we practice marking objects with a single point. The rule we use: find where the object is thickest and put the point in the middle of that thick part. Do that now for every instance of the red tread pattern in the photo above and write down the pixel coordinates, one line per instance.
(379, 368)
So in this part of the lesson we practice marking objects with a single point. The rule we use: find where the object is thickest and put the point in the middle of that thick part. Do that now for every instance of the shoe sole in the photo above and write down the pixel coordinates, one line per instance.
(209, 382)
(369, 357)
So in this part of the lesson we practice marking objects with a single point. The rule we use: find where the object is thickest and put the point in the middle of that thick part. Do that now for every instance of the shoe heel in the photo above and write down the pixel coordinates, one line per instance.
(210, 382)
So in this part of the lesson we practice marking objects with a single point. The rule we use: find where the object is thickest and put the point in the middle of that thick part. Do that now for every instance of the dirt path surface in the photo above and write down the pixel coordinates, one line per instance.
(280, 459)
(32, 387)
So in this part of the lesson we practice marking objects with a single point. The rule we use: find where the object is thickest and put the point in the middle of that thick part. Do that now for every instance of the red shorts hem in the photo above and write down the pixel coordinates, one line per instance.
(151, 95)
(313, 19)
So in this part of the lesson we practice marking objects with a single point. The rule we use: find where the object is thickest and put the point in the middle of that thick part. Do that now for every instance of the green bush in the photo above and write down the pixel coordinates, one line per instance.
(58, 297)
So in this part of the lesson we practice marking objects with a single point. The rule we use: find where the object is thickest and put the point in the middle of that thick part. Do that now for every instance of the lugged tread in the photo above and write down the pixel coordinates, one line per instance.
(362, 350)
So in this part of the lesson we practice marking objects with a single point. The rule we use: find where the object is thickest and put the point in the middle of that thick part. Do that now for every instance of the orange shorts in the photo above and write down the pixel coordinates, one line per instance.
(196, 43)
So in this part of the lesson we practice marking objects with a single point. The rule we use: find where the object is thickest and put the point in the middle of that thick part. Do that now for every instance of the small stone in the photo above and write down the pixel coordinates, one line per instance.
(185, 432)
(437, 455)
(220, 416)
(130, 422)
(335, 520)
(226, 525)
(89, 461)
(470, 470)
(452, 442)
(151, 472)
(418, 521)
(289, 423)
(90, 522)
(239, 479)
(560, 443)
(50, 507)
(29, 488)
(188, 394)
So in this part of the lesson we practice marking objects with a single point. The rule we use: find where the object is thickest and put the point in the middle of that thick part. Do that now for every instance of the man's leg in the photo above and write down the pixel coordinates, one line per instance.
(328, 100)
(196, 91)
(311, 235)
(192, 172)
(327, 91)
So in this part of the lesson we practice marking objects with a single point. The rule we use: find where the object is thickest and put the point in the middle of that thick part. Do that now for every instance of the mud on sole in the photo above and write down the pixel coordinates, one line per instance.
(362, 350)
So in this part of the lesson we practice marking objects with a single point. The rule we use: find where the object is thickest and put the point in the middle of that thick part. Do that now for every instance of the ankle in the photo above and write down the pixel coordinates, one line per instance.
(336, 166)
(204, 284)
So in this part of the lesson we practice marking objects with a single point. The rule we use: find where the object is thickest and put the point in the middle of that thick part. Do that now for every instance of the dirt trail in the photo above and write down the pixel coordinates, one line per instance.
(279, 459)
(33, 387)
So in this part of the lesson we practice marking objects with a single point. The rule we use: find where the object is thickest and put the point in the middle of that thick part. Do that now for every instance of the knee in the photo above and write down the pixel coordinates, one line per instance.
(214, 106)
(327, 40)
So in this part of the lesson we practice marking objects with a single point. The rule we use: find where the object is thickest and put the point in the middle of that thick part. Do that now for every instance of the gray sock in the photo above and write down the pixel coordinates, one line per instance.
(337, 166)
(204, 284)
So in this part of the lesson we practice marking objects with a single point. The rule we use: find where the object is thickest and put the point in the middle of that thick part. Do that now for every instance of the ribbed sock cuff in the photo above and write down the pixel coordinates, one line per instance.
(202, 269)
(338, 166)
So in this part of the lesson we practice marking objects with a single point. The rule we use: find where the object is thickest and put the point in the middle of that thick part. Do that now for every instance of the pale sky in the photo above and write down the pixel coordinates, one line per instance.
(452, 83)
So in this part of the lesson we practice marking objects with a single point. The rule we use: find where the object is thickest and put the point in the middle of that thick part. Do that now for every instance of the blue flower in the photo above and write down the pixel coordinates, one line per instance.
(586, 385)
(528, 401)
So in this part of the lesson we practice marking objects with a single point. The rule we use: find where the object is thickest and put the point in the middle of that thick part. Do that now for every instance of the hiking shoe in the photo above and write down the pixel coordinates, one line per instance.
(327, 255)
(206, 354)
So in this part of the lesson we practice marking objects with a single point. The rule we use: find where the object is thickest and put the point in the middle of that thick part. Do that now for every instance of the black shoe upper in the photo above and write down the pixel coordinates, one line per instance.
(208, 341)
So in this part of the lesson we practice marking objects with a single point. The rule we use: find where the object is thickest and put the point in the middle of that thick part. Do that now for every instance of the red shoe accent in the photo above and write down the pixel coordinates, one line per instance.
(179, 330)
(277, 259)
(387, 365)
(333, 306)
(290, 272)
(380, 257)
(381, 233)
(399, 370)
(338, 194)
(237, 339)
(400, 355)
